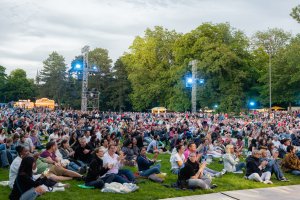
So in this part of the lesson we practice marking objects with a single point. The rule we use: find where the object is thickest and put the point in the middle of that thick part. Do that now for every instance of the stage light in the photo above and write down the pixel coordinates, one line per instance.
(77, 66)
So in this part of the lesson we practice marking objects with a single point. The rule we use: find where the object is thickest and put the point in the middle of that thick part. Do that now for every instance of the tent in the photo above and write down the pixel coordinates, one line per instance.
(157, 110)
(45, 103)
(277, 108)
(27, 104)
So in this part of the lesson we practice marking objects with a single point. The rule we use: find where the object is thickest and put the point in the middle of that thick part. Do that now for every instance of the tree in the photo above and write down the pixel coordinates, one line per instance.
(18, 86)
(120, 88)
(287, 73)
(149, 64)
(3, 80)
(53, 78)
(270, 41)
(296, 13)
(223, 56)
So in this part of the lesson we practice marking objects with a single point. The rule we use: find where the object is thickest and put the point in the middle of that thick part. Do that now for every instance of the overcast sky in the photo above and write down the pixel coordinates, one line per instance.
(31, 29)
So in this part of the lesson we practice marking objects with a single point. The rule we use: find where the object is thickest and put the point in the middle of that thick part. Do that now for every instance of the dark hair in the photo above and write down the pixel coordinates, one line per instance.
(290, 148)
(179, 147)
(64, 141)
(127, 143)
(50, 144)
(19, 149)
(26, 166)
(190, 144)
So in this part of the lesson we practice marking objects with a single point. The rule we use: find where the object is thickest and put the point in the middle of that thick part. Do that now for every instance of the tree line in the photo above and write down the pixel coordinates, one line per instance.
(151, 73)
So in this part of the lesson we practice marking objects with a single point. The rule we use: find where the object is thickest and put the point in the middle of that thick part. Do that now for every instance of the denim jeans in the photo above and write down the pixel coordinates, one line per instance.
(153, 170)
(274, 167)
(29, 195)
(124, 176)
(240, 166)
(3, 155)
(296, 172)
(99, 183)
(73, 167)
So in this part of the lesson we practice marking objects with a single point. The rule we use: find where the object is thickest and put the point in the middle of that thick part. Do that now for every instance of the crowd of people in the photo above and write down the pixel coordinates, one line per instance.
(93, 147)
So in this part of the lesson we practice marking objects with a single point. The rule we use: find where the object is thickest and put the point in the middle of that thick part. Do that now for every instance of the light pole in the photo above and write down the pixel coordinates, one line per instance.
(270, 83)
(194, 85)
(84, 51)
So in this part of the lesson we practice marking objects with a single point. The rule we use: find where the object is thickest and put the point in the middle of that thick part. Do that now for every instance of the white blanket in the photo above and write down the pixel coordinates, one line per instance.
(119, 188)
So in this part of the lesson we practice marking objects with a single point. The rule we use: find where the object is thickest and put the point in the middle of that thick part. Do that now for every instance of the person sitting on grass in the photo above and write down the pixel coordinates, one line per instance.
(15, 165)
(273, 165)
(55, 166)
(130, 159)
(231, 161)
(291, 163)
(96, 171)
(255, 168)
(83, 152)
(191, 175)
(145, 163)
(24, 186)
(153, 145)
(117, 161)
(177, 159)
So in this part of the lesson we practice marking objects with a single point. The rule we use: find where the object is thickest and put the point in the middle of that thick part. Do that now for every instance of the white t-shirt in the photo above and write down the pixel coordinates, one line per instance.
(107, 159)
(13, 171)
(175, 158)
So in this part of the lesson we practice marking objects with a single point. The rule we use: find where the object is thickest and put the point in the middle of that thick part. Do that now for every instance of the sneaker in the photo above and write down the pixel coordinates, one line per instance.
(268, 182)
(223, 171)
(213, 186)
(218, 175)
(283, 179)
(238, 172)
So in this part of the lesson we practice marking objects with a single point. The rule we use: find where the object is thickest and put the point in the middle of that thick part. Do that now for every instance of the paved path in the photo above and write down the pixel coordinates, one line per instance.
(291, 192)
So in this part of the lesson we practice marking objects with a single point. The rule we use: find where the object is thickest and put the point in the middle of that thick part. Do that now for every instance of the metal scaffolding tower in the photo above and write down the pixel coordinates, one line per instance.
(85, 52)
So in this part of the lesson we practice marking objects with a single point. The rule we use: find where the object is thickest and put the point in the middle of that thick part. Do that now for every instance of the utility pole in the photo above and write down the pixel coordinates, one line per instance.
(194, 85)
(85, 52)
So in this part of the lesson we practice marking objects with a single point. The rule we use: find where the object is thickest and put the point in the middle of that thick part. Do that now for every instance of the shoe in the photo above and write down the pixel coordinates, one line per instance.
(82, 170)
(213, 186)
(283, 179)
(223, 171)
(218, 175)
(268, 182)
(238, 172)
(245, 177)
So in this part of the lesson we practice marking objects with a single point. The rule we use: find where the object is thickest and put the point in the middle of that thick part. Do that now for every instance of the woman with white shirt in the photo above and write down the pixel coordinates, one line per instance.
(177, 160)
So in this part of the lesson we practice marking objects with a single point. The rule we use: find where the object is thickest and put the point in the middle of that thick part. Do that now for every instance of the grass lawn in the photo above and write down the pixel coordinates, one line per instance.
(150, 190)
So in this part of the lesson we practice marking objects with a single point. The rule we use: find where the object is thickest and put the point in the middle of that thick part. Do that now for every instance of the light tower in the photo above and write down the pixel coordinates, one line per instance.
(85, 75)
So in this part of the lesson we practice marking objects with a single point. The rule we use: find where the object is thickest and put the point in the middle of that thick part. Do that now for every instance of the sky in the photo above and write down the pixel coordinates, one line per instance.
(31, 29)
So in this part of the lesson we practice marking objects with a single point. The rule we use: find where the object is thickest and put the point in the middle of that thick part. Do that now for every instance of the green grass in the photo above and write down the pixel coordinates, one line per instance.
(150, 190)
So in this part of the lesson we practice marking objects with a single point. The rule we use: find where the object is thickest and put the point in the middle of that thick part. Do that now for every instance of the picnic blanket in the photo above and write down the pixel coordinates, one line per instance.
(119, 188)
